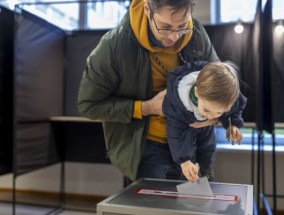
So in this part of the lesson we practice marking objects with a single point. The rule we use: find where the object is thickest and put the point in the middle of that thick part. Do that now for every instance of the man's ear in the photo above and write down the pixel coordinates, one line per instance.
(146, 8)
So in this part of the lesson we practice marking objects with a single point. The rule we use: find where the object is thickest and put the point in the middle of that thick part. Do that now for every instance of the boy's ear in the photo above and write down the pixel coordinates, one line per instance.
(196, 91)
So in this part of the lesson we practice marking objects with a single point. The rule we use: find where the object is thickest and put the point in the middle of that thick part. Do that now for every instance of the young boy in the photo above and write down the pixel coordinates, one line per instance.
(200, 95)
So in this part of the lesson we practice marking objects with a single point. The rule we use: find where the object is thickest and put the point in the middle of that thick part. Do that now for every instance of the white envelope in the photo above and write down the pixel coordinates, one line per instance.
(200, 187)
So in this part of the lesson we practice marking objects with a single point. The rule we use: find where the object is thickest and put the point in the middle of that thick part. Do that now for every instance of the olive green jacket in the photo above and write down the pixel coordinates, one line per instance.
(117, 73)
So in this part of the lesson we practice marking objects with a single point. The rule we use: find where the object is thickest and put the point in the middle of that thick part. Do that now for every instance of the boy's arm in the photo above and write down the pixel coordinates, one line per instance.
(233, 120)
(235, 114)
(178, 131)
(178, 134)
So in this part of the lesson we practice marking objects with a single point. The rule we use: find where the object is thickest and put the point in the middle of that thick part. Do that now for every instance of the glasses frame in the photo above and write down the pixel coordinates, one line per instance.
(170, 31)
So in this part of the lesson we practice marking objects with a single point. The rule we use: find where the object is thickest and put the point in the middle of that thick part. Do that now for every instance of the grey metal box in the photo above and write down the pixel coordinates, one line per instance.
(129, 202)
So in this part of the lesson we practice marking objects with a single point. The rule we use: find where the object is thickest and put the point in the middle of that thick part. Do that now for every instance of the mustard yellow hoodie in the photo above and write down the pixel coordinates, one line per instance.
(168, 58)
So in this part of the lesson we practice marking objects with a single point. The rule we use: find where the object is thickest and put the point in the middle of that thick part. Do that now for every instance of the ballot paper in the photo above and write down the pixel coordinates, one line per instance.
(200, 187)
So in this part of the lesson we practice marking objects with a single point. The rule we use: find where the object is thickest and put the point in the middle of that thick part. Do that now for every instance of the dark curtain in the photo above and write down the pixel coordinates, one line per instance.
(6, 89)
(262, 46)
(39, 90)
(262, 74)
(79, 45)
(84, 141)
(237, 48)
(49, 66)
(278, 77)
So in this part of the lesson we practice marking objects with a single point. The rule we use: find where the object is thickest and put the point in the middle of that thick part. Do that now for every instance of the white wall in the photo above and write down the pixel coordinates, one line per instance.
(81, 178)
(202, 11)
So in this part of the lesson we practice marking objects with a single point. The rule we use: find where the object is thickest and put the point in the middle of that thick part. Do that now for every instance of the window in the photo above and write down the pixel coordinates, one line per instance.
(75, 15)
(105, 14)
(234, 10)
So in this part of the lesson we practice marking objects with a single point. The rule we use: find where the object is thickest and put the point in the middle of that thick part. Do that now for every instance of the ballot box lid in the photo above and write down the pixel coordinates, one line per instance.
(159, 197)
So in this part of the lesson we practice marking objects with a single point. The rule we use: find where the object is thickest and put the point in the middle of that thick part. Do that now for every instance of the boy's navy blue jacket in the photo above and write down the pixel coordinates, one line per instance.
(178, 117)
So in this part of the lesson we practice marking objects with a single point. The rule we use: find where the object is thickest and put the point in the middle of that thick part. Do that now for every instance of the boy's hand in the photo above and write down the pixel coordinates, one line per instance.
(234, 134)
(190, 170)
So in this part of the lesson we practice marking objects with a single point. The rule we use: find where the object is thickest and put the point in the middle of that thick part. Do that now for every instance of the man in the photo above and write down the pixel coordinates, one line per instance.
(124, 82)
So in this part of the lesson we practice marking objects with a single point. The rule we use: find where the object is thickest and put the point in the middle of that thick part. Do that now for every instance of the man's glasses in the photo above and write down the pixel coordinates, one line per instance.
(169, 31)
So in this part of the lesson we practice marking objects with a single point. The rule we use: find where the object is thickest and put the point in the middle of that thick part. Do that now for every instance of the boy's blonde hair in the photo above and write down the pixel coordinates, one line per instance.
(218, 82)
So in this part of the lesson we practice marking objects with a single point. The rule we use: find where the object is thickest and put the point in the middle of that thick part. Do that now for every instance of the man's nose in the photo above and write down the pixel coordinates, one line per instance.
(174, 36)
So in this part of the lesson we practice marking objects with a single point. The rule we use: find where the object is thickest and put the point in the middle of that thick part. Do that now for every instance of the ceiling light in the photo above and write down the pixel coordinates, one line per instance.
(239, 28)
(279, 29)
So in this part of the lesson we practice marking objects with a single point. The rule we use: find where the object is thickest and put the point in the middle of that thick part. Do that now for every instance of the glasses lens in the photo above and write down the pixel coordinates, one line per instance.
(165, 31)
(186, 31)
(179, 32)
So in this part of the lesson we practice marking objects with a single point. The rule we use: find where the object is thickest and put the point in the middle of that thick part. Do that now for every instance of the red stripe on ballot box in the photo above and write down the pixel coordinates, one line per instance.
(215, 196)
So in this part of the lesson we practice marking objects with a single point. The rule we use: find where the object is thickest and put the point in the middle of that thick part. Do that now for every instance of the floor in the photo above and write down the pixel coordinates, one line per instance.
(23, 209)
(46, 205)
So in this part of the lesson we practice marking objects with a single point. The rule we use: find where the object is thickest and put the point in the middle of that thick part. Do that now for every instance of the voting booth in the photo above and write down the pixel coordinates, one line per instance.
(160, 197)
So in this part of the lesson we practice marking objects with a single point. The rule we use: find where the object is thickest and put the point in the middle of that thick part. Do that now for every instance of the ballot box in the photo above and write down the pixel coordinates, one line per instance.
(160, 197)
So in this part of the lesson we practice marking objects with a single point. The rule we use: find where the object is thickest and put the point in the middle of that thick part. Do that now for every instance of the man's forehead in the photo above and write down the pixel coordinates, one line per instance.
(168, 15)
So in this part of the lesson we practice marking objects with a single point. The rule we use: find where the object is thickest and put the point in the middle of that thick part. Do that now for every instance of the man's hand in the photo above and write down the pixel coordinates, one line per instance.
(190, 170)
(204, 124)
(154, 105)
